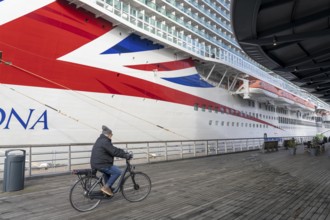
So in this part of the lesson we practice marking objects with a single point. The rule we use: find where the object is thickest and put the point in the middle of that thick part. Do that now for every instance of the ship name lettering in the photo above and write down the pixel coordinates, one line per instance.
(6, 118)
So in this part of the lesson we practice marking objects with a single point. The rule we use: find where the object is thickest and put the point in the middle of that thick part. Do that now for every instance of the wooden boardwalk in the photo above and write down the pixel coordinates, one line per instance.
(249, 185)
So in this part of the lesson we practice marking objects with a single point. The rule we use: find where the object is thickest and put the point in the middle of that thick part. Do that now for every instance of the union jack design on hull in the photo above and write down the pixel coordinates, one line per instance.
(65, 73)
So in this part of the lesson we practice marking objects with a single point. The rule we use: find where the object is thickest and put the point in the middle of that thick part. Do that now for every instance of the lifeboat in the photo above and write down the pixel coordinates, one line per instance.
(285, 99)
(321, 110)
(298, 104)
(303, 104)
(310, 106)
(262, 91)
(326, 116)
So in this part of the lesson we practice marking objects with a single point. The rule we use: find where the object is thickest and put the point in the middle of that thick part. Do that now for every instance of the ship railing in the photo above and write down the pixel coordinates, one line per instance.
(219, 52)
(133, 18)
(50, 159)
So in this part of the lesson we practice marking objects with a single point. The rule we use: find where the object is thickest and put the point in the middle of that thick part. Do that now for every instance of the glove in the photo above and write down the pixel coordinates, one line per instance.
(128, 156)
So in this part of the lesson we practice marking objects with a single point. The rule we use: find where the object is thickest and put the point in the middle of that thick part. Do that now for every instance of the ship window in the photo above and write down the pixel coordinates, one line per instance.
(216, 109)
(242, 124)
(210, 108)
(203, 108)
(250, 125)
(237, 124)
(233, 124)
(222, 110)
(228, 123)
(196, 107)
(216, 122)
(246, 124)
(210, 122)
(222, 123)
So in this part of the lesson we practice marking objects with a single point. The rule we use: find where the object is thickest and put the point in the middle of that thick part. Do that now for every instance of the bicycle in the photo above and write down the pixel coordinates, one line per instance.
(86, 195)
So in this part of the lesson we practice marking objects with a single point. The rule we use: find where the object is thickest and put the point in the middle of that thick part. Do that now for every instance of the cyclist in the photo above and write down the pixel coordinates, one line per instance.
(102, 158)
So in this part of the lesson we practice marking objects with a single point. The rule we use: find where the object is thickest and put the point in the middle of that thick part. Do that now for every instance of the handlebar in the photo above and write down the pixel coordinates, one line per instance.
(130, 155)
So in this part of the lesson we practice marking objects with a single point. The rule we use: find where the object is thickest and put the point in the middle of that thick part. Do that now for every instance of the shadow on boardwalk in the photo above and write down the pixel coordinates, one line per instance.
(248, 185)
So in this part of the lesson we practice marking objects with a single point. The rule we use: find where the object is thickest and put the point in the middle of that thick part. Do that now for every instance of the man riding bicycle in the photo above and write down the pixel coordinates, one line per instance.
(102, 158)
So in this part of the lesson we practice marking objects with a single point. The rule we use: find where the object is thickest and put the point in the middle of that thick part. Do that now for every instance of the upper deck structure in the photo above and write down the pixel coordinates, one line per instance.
(290, 38)
(201, 29)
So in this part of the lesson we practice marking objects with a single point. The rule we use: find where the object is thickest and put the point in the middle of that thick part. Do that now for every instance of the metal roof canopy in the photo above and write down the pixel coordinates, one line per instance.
(290, 37)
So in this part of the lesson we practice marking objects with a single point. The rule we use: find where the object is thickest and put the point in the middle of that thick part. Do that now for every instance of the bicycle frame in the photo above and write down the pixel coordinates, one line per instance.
(99, 181)
(128, 169)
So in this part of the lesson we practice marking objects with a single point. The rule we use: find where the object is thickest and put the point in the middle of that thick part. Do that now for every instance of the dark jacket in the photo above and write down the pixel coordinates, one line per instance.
(103, 153)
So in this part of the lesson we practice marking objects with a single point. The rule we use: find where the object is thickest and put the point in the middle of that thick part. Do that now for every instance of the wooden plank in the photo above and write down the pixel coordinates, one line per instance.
(249, 185)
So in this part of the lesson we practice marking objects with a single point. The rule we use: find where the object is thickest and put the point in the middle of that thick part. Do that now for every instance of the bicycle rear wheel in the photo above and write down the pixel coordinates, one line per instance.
(79, 197)
(136, 187)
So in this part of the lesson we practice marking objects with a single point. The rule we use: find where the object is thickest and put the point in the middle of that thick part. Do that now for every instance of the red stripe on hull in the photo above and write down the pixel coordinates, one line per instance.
(33, 43)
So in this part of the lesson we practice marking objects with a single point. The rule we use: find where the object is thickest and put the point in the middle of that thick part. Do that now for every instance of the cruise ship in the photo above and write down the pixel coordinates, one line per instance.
(149, 70)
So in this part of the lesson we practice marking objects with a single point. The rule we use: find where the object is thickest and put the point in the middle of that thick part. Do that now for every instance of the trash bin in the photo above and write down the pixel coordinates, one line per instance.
(14, 171)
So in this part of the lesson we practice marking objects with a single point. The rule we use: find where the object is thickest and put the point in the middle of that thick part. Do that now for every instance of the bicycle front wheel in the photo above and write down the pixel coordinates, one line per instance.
(136, 187)
(80, 191)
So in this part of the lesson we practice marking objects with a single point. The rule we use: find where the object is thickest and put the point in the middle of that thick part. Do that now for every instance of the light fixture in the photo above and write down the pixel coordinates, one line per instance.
(274, 41)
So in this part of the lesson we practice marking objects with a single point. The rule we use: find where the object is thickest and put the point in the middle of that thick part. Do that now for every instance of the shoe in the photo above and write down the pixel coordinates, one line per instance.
(107, 190)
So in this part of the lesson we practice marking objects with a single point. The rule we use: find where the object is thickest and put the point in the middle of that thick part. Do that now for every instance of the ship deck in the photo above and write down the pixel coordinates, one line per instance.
(249, 185)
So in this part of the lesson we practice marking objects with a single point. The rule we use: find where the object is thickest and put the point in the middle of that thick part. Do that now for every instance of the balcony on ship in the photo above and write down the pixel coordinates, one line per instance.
(198, 29)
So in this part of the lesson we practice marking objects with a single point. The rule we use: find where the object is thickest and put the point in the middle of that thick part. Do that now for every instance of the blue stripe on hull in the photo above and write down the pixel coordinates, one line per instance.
(133, 43)
(192, 80)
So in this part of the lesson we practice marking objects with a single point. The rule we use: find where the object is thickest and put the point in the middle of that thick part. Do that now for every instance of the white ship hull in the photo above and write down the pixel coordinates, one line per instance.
(63, 89)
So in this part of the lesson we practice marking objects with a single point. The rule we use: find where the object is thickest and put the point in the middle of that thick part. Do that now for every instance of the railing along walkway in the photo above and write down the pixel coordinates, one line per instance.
(60, 158)
(247, 185)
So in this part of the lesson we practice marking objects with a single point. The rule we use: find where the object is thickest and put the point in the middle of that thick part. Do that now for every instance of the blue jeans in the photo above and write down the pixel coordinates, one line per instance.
(114, 172)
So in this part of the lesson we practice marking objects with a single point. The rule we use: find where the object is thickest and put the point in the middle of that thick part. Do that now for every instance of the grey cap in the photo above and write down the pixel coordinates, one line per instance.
(106, 130)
